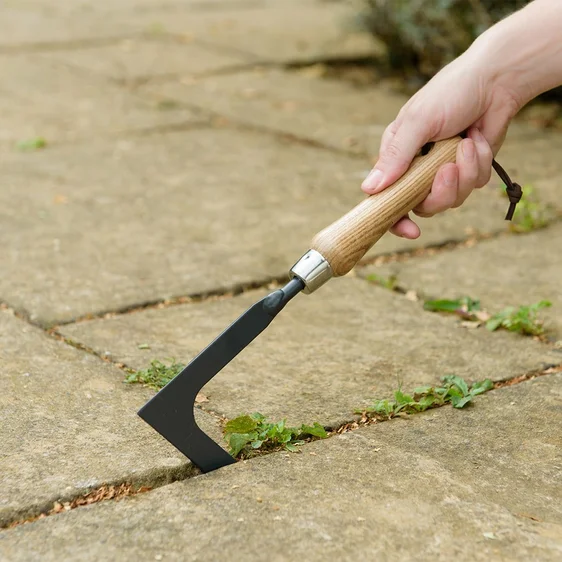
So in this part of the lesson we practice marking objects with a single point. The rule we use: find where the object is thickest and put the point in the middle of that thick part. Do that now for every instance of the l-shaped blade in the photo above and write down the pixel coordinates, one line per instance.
(170, 412)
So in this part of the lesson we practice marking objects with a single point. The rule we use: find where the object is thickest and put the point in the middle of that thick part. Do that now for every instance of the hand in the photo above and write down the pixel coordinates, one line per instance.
(466, 94)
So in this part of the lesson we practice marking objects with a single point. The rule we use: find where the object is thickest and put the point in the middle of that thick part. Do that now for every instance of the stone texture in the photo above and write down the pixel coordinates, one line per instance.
(481, 484)
(288, 31)
(292, 30)
(68, 424)
(137, 60)
(507, 271)
(69, 104)
(109, 224)
(324, 356)
(330, 112)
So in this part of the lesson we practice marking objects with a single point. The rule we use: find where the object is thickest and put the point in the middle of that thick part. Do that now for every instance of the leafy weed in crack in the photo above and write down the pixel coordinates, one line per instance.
(530, 213)
(523, 319)
(248, 433)
(36, 143)
(158, 375)
(389, 283)
(455, 390)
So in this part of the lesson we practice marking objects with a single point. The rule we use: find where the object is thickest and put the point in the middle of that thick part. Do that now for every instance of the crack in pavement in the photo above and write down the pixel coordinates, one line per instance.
(120, 489)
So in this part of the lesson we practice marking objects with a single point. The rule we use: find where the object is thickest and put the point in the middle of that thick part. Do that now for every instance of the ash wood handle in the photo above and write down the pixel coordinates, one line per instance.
(346, 241)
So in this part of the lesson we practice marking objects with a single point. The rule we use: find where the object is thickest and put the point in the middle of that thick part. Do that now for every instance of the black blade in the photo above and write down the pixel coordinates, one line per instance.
(170, 412)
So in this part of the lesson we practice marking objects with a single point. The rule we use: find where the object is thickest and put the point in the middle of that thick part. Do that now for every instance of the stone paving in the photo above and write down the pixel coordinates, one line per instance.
(193, 149)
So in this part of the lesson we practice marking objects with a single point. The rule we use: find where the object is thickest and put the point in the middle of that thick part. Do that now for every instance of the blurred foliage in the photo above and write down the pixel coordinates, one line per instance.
(422, 36)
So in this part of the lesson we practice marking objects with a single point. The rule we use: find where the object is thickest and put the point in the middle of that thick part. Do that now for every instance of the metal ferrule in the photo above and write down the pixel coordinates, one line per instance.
(313, 270)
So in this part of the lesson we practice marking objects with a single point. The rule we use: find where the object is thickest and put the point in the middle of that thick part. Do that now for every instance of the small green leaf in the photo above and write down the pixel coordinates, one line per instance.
(32, 144)
(241, 424)
(143, 346)
(402, 398)
(494, 323)
(461, 402)
(426, 402)
(442, 305)
(316, 430)
(458, 382)
(256, 444)
(237, 442)
(480, 387)
(290, 447)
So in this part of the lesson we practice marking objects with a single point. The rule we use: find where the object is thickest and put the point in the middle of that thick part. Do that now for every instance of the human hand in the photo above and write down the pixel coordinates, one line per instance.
(465, 95)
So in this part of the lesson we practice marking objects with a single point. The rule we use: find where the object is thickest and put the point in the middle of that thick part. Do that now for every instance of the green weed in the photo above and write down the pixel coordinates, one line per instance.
(158, 375)
(530, 213)
(248, 433)
(465, 307)
(32, 144)
(523, 320)
(455, 391)
(386, 282)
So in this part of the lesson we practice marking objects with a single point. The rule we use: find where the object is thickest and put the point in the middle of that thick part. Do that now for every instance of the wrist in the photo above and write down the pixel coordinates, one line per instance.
(523, 53)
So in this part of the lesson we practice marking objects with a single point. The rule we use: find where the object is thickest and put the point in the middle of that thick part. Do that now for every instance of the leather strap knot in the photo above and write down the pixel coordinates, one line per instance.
(513, 190)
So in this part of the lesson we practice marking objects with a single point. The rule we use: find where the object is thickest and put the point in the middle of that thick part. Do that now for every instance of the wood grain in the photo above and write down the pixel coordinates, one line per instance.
(346, 241)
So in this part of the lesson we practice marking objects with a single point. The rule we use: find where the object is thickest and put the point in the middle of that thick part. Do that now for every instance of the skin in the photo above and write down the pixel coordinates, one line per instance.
(479, 92)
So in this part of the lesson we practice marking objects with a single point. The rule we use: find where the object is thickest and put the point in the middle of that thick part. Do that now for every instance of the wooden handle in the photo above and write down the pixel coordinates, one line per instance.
(346, 241)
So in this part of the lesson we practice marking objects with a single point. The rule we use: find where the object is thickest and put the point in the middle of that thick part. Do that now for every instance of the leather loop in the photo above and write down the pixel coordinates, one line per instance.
(513, 190)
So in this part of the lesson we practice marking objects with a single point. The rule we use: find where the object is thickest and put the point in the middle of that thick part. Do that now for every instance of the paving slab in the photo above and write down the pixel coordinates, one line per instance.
(330, 112)
(68, 425)
(43, 98)
(509, 271)
(324, 356)
(479, 484)
(287, 31)
(113, 223)
(137, 59)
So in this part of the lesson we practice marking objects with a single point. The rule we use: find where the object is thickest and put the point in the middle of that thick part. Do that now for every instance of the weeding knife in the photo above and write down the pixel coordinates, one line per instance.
(334, 252)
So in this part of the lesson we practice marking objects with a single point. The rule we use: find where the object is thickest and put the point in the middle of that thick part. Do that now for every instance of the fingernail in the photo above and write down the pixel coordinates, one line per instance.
(373, 180)
(450, 176)
(468, 150)
(477, 135)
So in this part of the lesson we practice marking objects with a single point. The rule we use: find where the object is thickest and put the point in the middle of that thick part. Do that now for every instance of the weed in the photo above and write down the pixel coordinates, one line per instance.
(386, 282)
(32, 144)
(248, 433)
(530, 213)
(522, 320)
(465, 307)
(157, 375)
(455, 390)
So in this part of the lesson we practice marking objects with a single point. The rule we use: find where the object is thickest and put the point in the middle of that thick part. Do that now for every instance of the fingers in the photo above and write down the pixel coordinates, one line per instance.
(406, 228)
(401, 142)
(455, 182)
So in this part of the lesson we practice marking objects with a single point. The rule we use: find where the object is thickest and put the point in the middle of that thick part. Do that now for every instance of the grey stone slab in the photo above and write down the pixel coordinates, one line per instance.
(287, 31)
(508, 271)
(39, 97)
(330, 112)
(24, 23)
(324, 356)
(476, 485)
(68, 424)
(112, 223)
(139, 59)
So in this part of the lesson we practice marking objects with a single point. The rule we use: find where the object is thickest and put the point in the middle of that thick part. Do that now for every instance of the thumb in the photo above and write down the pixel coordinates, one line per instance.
(401, 142)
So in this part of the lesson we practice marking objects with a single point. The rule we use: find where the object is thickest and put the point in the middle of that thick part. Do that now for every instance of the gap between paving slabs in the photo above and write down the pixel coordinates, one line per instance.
(480, 485)
(68, 425)
(323, 357)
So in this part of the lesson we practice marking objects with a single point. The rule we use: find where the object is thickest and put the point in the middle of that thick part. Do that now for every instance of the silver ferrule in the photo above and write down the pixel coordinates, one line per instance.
(313, 270)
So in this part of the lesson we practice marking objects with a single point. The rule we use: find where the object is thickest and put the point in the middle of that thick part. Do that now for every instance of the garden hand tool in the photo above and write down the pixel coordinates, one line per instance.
(333, 253)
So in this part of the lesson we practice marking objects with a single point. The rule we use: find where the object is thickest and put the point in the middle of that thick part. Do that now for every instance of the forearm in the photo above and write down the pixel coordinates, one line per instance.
(525, 50)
